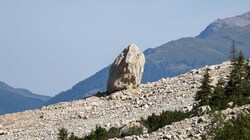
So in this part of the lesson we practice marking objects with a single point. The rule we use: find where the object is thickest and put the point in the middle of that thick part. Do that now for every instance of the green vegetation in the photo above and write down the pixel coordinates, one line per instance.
(233, 53)
(234, 129)
(99, 134)
(205, 92)
(73, 137)
(218, 95)
(237, 84)
(154, 122)
(63, 134)
(135, 130)
(114, 132)
(236, 89)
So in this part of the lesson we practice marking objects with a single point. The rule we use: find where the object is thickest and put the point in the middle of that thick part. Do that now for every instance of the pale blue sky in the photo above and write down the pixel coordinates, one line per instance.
(47, 46)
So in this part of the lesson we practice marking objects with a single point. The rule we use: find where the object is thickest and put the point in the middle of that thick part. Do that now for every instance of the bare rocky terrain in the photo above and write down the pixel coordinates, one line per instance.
(117, 109)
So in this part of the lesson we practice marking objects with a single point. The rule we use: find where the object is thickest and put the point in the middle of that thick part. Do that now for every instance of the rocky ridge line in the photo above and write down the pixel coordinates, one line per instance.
(117, 109)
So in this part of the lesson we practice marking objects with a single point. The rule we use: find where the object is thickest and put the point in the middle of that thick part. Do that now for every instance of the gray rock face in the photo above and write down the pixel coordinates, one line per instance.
(126, 71)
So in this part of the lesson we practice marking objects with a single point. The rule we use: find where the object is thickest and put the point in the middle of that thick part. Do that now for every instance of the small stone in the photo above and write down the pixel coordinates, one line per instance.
(146, 106)
(199, 120)
(203, 110)
(167, 137)
(137, 138)
(175, 138)
(128, 138)
(82, 115)
(123, 97)
(145, 135)
(132, 125)
(2, 132)
(188, 108)
(231, 104)
(197, 136)
(107, 125)
(160, 134)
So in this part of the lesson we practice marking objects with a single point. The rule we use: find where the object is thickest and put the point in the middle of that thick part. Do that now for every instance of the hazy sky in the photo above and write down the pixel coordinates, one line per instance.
(47, 46)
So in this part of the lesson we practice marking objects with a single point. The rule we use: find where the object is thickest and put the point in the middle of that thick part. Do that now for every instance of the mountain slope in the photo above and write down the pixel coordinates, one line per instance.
(182, 55)
(179, 56)
(238, 21)
(117, 109)
(16, 100)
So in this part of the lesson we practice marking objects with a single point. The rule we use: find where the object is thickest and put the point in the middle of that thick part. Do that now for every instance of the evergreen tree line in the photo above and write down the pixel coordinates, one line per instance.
(236, 88)
(98, 134)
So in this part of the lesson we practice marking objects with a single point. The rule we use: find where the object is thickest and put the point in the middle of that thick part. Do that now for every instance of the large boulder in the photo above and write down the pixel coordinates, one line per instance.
(127, 69)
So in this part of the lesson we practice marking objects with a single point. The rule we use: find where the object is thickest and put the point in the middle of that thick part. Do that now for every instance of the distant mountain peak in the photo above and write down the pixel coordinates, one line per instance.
(245, 15)
(19, 99)
(237, 21)
(240, 20)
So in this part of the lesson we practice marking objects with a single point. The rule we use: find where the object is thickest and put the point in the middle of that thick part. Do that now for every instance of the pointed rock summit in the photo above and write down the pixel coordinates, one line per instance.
(127, 69)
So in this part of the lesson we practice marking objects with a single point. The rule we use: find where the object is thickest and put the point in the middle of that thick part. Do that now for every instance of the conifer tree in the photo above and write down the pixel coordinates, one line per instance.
(73, 137)
(237, 84)
(63, 134)
(248, 78)
(248, 70)
(218, 97)
(233, 53)
(205, 90)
